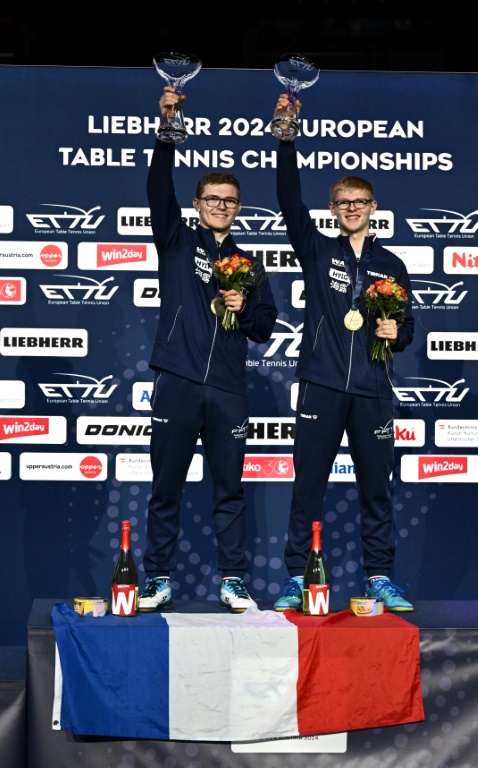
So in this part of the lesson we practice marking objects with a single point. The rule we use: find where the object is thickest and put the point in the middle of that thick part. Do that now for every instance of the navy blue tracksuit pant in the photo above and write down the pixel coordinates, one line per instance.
(182, 411)
(323, 415)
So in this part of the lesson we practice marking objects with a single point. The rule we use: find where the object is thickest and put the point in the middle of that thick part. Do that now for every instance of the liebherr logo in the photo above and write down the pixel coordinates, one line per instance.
(85, 291)
(69, 220)
(448, 224)
(79, 388)
(288, 341)
(437, 392)
(429, 293)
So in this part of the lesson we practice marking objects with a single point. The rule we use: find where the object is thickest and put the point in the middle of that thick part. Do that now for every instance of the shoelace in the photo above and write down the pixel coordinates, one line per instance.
(388, 586)
(153, 586)
(238, 588)
(292, 588)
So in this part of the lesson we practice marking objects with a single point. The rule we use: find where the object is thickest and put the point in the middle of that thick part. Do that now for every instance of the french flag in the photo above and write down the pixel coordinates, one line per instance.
(233, 677)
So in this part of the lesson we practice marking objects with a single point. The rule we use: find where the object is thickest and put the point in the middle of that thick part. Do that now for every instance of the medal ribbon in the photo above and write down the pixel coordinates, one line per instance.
(362, 271)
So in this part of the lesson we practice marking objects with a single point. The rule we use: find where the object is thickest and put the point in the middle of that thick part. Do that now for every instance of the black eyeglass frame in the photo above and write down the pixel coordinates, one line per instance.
(233, 201)
(360, 203)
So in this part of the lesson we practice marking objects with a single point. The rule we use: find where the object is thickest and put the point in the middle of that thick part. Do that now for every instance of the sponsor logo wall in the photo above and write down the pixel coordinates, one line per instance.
(79, 301)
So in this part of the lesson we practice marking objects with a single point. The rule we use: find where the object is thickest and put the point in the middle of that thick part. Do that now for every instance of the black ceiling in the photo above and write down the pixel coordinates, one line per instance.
(410, 35)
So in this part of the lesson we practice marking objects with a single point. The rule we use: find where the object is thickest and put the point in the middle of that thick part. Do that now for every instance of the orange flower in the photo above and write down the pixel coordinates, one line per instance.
(383, 299)
(233, 273)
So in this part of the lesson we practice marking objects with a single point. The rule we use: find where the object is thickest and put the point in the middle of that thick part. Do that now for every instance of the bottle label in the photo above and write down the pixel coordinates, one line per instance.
(316, 600)
(124, 598)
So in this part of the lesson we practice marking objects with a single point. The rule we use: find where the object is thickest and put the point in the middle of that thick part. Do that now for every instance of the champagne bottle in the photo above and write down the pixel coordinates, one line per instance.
(124, 582)
(316, 578)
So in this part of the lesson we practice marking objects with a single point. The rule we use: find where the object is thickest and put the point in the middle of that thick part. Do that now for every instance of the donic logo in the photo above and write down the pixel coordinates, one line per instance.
(68, 218)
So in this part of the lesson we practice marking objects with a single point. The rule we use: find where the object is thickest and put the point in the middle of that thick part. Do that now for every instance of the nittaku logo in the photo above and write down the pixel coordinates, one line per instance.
(85, 291)
(449, 223)
(85, 389)
(289, 340)
(437, 294)
(70, 219)
(437, 392)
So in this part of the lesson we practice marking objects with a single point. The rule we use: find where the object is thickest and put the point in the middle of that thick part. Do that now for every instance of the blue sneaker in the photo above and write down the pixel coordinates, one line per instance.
(390, 594)
(155, 595)
(291, 596)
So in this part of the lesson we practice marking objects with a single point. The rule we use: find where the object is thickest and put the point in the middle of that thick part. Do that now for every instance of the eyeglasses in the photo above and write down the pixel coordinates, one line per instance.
(359, 203)
(215, 202)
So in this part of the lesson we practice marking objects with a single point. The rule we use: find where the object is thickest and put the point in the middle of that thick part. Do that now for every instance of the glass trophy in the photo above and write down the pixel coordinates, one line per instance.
(295, 72)
(176, 69)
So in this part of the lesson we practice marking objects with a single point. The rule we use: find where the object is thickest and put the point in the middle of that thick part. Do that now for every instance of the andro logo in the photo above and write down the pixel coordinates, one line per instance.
(84, 388)
(70, 218)
(448, 223)
(44, 342)
(86, 290)
(436, 392)
(439, 466)
(436, 293)
(90, 466)
(289, 340)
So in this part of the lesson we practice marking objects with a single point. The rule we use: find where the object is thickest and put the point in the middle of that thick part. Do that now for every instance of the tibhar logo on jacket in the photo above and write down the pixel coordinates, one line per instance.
(203, 267)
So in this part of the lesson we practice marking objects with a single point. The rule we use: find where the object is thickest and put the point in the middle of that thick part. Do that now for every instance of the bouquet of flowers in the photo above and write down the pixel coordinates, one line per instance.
(233, 273)
(384, 298)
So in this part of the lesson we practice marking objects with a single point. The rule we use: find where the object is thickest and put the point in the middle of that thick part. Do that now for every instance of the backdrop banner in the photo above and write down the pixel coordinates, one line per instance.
(80, 300)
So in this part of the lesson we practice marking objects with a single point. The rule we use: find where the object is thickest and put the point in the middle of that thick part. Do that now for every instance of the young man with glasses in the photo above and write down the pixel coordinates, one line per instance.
(341, 388)
(199, 384)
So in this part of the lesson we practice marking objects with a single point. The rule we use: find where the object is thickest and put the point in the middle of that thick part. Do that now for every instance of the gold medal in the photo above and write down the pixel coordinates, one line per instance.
(353, 320)
(217, 306)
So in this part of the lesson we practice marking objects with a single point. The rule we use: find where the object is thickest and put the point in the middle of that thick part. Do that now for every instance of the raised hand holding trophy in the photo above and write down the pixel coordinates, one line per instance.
(176, 69)
(295, 72)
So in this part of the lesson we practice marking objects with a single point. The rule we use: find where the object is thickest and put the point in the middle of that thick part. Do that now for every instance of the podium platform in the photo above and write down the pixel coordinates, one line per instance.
(448, 646)
(13, 711)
